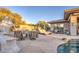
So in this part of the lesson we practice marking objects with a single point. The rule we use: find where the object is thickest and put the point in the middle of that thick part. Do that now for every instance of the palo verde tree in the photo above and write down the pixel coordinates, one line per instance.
(43, 25)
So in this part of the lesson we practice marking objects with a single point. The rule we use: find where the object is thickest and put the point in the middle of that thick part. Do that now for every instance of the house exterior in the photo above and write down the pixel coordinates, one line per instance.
(70, 23)
(6, 21)
(6, 24)
(58, 26)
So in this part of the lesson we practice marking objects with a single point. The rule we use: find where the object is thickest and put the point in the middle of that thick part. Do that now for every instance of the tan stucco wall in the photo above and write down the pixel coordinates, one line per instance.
(73, 25)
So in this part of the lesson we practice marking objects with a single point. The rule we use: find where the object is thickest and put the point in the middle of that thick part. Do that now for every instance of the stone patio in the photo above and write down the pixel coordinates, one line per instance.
(43, 44)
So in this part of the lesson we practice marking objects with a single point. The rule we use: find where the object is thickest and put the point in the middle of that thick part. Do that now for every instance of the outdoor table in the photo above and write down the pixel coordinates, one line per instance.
(26, 34)
(8, 44)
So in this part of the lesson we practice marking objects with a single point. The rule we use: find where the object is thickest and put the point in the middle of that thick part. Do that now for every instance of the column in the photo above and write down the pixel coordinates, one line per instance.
(73, 25)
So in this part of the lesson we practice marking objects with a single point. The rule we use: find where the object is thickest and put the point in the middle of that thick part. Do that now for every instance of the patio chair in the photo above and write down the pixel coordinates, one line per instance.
(19, 35)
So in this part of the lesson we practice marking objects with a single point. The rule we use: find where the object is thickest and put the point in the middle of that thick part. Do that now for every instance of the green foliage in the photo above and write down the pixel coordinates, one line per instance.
(1, 18)
(43, 25)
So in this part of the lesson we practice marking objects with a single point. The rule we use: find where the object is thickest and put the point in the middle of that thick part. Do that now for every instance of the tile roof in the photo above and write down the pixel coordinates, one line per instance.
(58, 21)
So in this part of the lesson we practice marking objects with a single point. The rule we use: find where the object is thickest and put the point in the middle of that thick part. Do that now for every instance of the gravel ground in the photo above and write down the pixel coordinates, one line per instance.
(43, 44)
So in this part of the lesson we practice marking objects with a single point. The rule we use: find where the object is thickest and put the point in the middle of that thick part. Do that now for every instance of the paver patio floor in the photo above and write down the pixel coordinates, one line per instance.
(43, 44)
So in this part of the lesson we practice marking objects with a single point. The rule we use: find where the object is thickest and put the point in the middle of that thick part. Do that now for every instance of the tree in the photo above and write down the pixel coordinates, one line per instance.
(1, 18)
(24, 22)
(43, 25)
(17, 18)
(4, 12)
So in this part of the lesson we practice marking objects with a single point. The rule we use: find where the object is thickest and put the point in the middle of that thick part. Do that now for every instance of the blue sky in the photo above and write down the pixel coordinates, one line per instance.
(32, 14)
